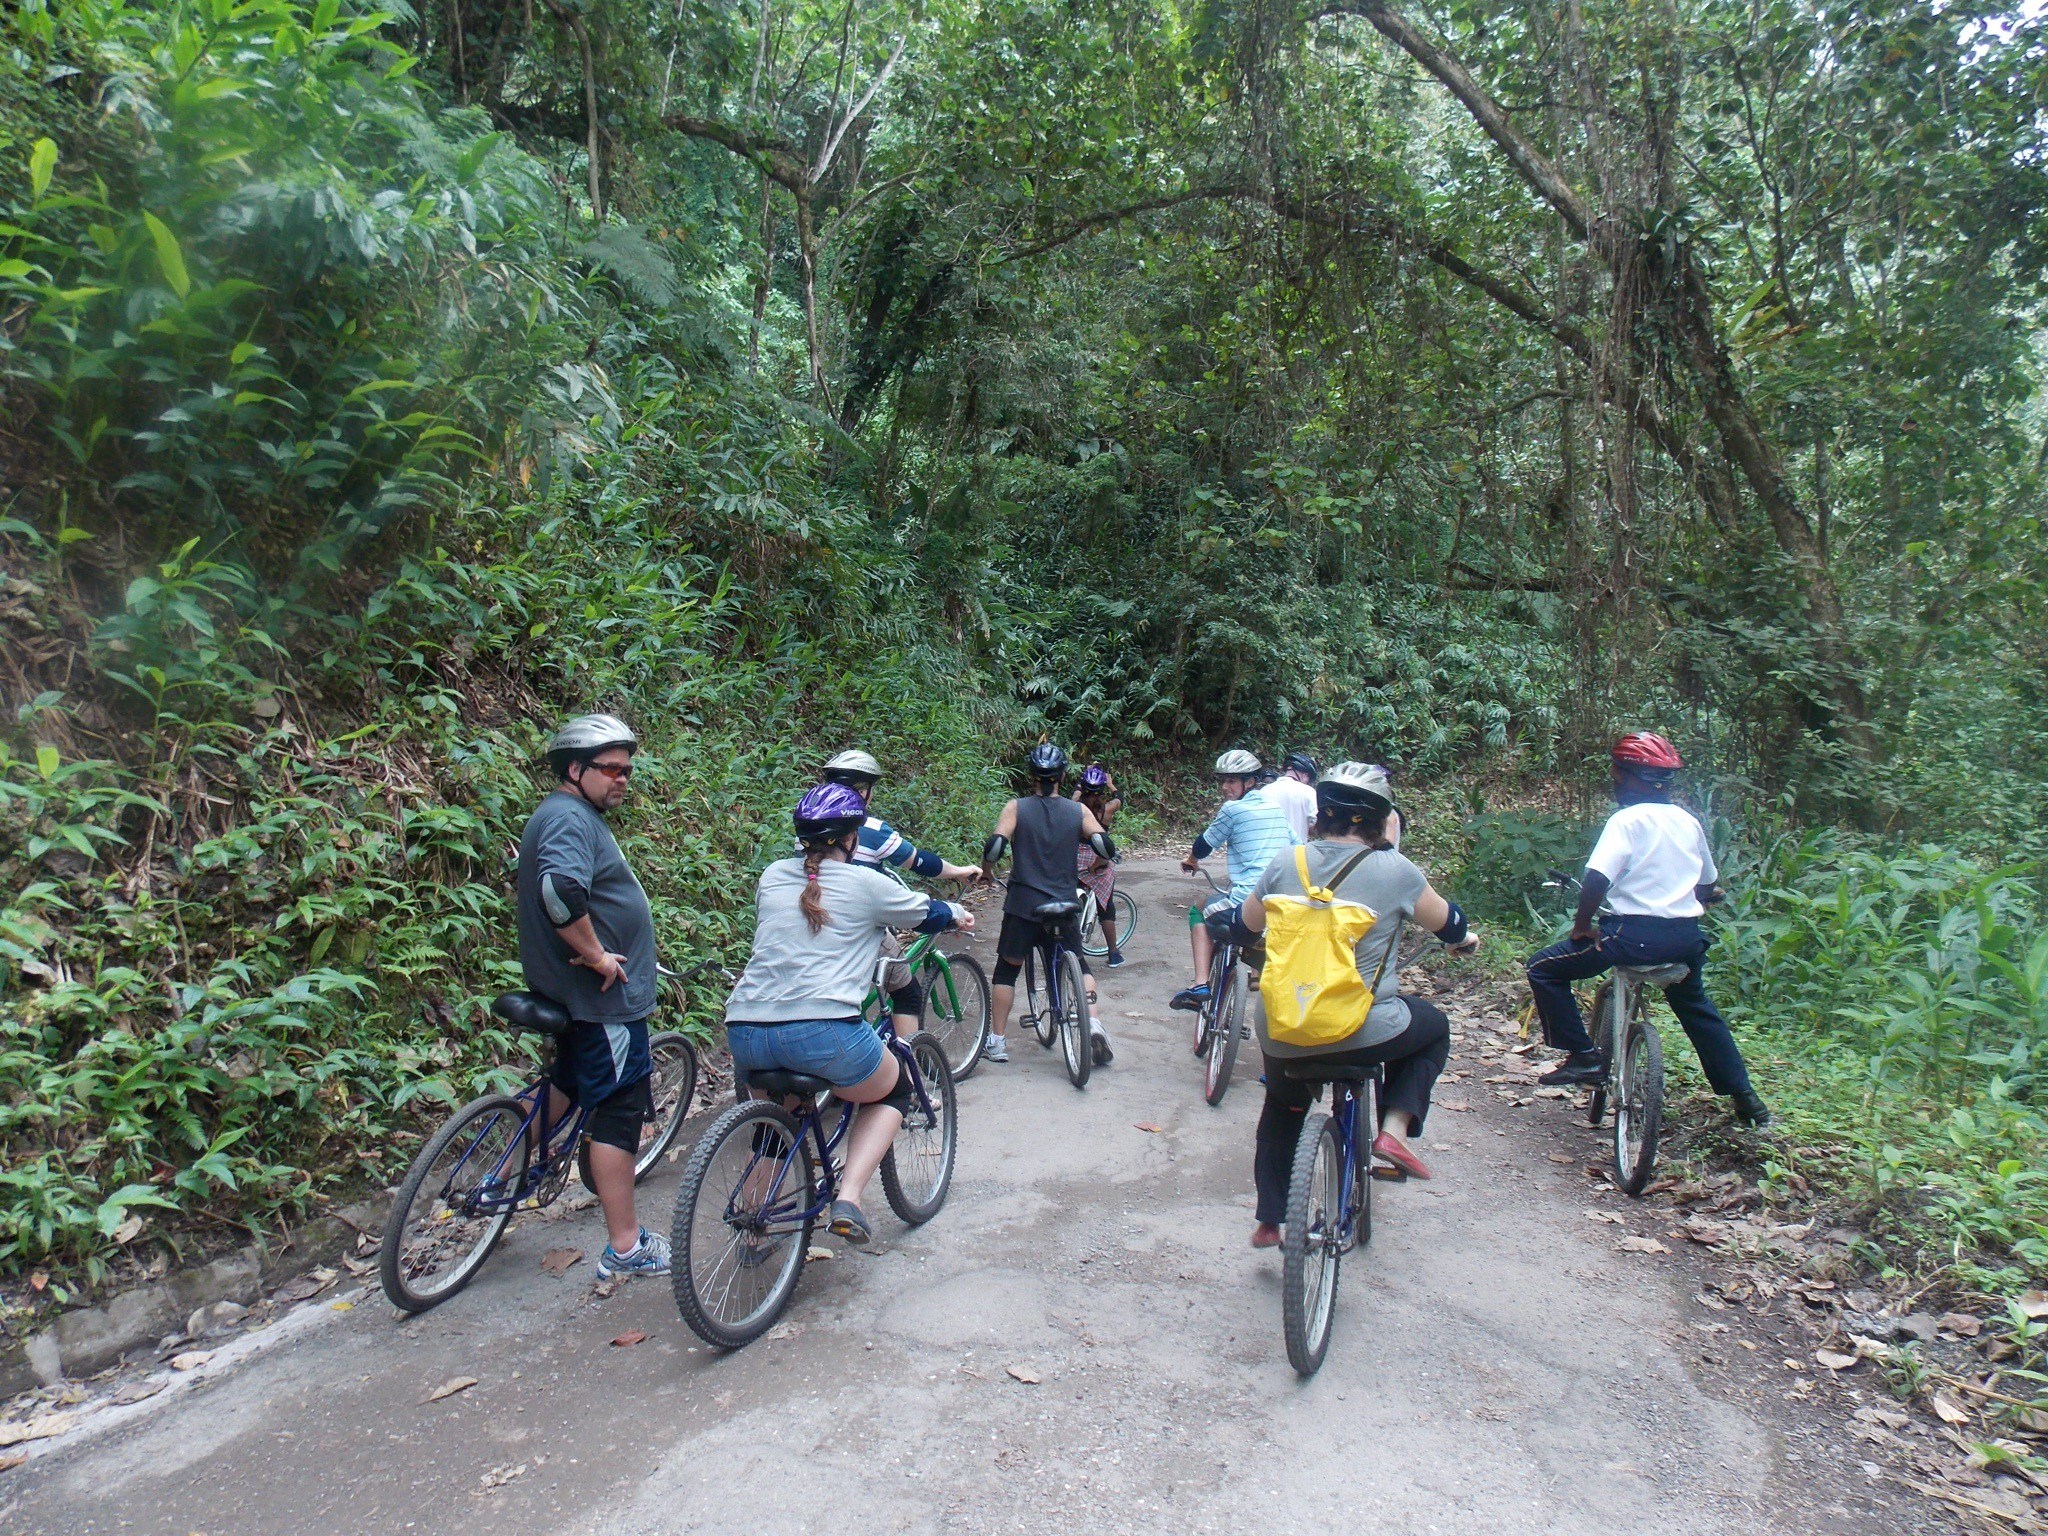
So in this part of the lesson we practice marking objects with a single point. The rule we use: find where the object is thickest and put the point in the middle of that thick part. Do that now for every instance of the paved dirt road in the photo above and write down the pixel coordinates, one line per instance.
(1496, 1366)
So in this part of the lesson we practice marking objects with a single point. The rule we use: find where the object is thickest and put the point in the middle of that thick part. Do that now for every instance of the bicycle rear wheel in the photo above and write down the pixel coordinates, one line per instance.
(1038, 999)
(1229, 1012)
(1309, 1256)
(957, 1004)
(740, 1234)
(1075, 1046)
(918, 1169)
(436, 1239)
(1639, 1102)
(1603, 1042)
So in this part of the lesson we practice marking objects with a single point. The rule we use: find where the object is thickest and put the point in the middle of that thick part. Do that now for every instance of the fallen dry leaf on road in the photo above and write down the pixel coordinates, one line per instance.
(1834, 1360)
(137, 1391)
(358, 1267)
(628, 1339)
(450, 1387)
(603, 1289)
(1553, 1093)
(498, 1477)
(41, 1428)
(341, 1306)
(128, 1231)
(818, 1253)
(783, 1331)
(2033, 1303)
(1962, 1324)
(1607, 1216)
(1455, 1106)
(9, 1460)
(1563, 1157)
(1023, 1373)
(306, 1286)
(1641, 1245)
(1146, 1125)
(1948, 1410)
(556, 1261)
(191, 1359)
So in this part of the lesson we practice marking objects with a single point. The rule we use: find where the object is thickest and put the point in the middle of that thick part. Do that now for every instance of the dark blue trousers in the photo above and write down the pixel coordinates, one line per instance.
(1630, 940)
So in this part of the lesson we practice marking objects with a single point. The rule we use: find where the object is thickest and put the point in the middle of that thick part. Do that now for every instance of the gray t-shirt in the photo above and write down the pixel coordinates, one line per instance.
(1386, 882)
(566, 840)
(797, 974)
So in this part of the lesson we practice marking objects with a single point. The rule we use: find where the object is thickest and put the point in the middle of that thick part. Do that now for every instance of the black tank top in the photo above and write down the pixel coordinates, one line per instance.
(1046, 853)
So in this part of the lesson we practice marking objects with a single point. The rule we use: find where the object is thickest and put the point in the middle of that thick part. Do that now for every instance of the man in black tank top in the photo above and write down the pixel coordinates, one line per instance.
(1044, 832)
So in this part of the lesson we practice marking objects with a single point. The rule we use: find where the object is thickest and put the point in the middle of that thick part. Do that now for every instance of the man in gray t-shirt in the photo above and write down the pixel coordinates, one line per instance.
(586, 941)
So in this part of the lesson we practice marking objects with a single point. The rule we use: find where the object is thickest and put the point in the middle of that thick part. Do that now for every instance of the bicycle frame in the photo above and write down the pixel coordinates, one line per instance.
(1345, 1111)
(811, 1121)
(477, 1202)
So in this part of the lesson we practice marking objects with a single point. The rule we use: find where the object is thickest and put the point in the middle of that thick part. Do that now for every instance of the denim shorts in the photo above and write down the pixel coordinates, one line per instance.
(842, 1051)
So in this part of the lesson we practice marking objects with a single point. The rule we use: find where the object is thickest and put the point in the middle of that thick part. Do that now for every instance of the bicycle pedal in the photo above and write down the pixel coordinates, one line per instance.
(1390, 1173)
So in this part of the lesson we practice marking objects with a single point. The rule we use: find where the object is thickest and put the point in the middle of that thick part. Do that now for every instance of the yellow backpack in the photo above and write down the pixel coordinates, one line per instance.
(1311, 986)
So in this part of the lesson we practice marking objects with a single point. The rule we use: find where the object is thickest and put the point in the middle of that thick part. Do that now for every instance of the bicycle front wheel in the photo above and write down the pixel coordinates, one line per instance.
(1075, 1046)
(1309, 1255)
(1038, 999)
(1223, 1036)
(1604, 1002)
(957, 1005)
(740, 1233)
(918, 1169)
(454, 1203)
(1639, 1102)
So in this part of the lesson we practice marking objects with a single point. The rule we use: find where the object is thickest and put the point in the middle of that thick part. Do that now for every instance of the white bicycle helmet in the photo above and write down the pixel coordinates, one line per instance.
(1236, 764)
(1356, 786)
(853, 765)
(586, 736)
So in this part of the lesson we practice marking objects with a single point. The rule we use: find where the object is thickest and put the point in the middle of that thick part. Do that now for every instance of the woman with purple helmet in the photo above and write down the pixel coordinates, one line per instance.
(1098, 793)
(819, 920)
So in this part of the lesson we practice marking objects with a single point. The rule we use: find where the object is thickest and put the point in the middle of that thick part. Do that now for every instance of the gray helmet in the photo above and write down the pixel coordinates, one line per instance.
(587, 735)
(1236, 764)
(852, 765)
(1355, 786)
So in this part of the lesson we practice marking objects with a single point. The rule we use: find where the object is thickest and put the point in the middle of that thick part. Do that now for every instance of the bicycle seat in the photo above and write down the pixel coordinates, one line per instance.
(1309, 1070)
(531, 1011)
(788, 1084)
(1053, 911)
(1656, 975)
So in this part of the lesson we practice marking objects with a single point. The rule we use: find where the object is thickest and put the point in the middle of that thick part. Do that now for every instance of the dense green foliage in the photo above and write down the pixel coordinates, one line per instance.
(380, 386)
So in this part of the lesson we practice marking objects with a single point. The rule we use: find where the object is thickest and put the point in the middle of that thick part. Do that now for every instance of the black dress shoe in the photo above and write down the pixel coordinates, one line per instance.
(1581, 1068)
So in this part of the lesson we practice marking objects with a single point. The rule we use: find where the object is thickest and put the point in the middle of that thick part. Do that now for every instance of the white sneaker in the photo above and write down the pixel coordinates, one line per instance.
(995, 1050)
(1103, 1054)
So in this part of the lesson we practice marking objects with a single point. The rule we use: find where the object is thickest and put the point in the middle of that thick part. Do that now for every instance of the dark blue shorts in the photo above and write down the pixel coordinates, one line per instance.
(597, 1060)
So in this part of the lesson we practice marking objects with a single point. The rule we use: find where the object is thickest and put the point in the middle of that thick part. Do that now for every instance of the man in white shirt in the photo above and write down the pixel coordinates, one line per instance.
(1295, 792)
(1655, 873)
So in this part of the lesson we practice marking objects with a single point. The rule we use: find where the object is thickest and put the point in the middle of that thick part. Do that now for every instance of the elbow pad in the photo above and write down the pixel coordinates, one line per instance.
(992, 851)
(1455, 928)
(563, 899)
(1104, 848)
(938, 918)
(926, 863)
(1202, 850)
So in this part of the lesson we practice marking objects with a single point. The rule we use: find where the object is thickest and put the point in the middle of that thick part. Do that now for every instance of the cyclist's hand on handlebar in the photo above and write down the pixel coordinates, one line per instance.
(963, 920)
(966, 874)
(609, 967)
(1191, 864)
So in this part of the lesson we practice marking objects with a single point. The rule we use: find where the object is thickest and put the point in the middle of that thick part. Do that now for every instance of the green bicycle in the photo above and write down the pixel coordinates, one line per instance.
(956, 1001)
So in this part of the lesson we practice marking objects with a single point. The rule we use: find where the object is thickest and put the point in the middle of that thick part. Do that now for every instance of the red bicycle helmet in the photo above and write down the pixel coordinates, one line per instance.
(1646, 749)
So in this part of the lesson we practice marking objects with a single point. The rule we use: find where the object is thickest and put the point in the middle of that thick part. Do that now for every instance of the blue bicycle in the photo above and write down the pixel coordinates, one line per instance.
(502, 1152)
(1329, 1203)
(1056, 989)
(763, 1174)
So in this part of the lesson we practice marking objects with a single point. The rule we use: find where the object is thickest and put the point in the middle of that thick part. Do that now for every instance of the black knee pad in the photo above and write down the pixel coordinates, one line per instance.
(903, 1097)
(1006, 971)
(616, 1121)
(908, 999)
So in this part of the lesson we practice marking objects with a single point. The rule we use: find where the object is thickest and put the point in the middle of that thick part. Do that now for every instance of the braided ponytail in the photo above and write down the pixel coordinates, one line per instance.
(813, 899)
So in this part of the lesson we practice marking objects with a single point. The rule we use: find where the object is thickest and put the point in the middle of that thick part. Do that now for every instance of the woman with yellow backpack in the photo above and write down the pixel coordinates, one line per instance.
(1332, 912)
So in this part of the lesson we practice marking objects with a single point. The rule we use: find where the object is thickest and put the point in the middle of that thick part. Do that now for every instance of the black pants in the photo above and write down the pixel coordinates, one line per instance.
(1412, 1058)
(1633, 940)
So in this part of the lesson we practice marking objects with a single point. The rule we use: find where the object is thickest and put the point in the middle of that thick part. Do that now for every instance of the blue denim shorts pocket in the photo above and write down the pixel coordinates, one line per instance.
(842, 1051)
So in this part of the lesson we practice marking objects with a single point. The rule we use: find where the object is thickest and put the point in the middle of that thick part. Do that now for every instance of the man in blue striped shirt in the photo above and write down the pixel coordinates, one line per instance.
(1253, 829)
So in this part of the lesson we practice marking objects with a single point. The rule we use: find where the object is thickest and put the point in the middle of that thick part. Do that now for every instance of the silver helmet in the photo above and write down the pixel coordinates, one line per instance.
(1356, 786)
(1236, 764)
(852, 765)
(586, 736)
